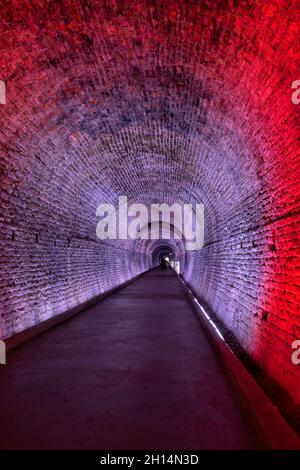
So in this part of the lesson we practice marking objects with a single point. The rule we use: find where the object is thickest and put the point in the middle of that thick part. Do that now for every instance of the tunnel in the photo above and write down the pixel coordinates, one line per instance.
(176, 102)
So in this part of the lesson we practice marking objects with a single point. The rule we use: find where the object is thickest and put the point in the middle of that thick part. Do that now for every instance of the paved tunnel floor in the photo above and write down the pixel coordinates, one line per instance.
(134, 371)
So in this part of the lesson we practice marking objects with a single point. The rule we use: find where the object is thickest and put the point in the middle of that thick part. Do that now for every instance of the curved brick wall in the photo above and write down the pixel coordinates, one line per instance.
(164, 102)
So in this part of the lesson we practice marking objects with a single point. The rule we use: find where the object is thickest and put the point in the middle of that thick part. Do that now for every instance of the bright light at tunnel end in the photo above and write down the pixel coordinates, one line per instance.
(155, 221)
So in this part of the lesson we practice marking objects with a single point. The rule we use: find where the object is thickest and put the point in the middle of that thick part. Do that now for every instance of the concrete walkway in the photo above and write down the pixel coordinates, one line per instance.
(135, 371)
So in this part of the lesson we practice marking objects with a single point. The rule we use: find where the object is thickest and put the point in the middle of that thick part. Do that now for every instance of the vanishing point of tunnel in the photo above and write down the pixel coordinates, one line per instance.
(116, 333)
